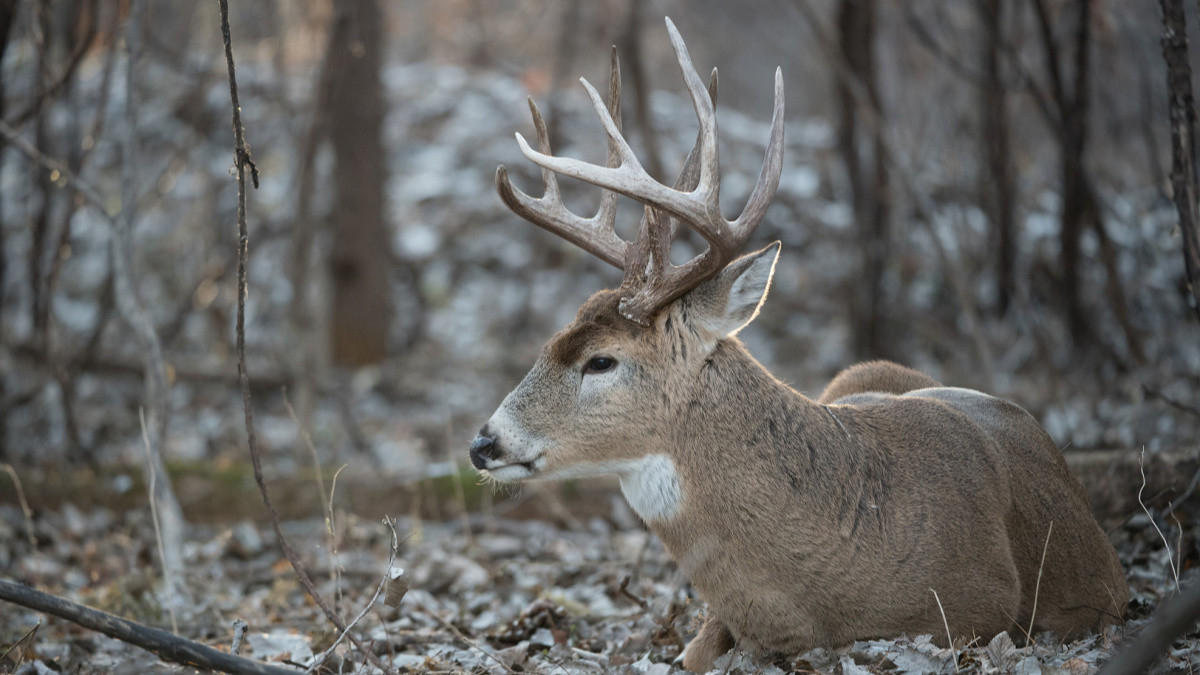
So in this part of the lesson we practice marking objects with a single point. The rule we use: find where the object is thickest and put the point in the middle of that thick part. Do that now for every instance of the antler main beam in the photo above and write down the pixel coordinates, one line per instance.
(651, 281)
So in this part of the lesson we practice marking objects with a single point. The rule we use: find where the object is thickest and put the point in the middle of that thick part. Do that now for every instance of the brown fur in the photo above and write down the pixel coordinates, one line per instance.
(816, 523)
(883, 377)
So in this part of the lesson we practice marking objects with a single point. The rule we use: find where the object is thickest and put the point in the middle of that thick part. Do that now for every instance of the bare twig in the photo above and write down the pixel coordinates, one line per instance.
(335, 563)
(239, 633)
(1173, 402)
(946, 625)
(1038, 587)
(623, 589)
(66, 175)
(371, 603)
(1186, 493)
(162, 556)
(243, 162)
(460, 496)
(1166, 544)
(25, 510)
(168, 647)
(326, 496)
(473, 644)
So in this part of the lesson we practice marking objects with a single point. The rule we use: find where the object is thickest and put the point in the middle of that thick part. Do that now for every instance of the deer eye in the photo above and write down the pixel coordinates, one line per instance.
(599, 364)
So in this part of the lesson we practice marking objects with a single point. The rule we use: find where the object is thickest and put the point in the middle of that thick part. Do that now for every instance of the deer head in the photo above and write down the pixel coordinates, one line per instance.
(594, 402)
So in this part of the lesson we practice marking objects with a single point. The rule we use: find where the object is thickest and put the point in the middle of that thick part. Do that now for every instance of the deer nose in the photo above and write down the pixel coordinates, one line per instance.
(483, 448)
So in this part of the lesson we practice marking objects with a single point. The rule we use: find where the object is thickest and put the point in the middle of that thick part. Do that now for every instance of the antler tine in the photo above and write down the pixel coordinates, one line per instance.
(709, 184)
(768, 178)
(690, 174)
(608, 198)
(628, 178)
(649, 254)
(662, 282)
(596, 234)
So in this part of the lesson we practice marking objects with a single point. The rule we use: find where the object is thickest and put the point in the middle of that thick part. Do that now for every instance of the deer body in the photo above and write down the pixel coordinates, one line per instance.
(868, 513)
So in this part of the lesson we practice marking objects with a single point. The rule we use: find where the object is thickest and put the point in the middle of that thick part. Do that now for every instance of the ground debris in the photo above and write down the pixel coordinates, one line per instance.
(531, 597)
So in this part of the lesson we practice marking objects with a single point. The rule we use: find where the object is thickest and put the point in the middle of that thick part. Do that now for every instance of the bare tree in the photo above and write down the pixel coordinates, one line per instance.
(1183, 138)
(862, 147)
(568, 40)
(362, 306)
(631, 51)
(998, 185)
(8, 12)
(1070, 105)
(1066, 110)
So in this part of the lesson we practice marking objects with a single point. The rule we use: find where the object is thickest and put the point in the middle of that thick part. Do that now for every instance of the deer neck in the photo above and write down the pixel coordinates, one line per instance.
(745, 440)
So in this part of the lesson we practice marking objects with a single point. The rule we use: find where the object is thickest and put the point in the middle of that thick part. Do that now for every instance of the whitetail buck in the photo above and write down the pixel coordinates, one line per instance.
(801, 523)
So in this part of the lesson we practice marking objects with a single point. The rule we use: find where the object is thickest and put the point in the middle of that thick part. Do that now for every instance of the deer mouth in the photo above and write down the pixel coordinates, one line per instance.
(514, 471)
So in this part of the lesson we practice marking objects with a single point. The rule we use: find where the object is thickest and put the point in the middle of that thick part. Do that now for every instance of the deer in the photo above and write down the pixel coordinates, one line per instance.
(889, 505)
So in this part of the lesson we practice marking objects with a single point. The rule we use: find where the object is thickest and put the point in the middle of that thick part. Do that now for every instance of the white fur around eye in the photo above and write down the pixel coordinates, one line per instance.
(594, 384)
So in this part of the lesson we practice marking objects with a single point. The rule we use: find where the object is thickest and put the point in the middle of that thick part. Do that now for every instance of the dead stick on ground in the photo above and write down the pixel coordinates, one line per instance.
(946, 625)
(1037, 589)
(473, 644)
(1174, 617)
(244, 162)
(162, 556)
(25, 510)
(320, 660)
(1174, 569)
(168, 647)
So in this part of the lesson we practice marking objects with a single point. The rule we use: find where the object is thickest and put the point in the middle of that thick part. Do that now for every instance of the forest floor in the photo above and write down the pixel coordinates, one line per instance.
(488, 593)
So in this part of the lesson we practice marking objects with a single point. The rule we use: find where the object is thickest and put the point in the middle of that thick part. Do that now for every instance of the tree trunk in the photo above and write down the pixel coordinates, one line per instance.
(631, 49)
(362, 308)
(1072, 109)
(8, 12)
(1183, 139)
(568, 41)
(999, 191)
(868, 176)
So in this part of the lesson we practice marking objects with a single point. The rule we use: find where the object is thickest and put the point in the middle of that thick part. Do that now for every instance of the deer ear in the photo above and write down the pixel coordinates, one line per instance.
(723, 305)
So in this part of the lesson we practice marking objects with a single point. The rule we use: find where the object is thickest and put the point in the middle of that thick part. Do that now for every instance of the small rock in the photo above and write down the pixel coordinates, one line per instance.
(542, 637)
(644, 665)
(405, 662)
(1028, 666)
(245, 542)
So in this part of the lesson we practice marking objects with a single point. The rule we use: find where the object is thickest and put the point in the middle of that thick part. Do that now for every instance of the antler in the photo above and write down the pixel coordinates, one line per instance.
(651, 281)
(594, 235)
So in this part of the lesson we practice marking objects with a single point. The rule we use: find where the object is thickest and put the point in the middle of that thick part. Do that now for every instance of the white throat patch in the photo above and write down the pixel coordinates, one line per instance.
(652, 488)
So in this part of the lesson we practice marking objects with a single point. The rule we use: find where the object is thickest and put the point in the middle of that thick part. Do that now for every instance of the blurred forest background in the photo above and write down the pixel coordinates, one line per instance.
(979, 190)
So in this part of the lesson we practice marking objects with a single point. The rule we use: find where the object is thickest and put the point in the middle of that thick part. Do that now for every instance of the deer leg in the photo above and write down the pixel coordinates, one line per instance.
(713, 640)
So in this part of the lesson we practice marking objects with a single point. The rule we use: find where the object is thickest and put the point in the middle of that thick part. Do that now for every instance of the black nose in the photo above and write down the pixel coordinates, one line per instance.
(483, 448)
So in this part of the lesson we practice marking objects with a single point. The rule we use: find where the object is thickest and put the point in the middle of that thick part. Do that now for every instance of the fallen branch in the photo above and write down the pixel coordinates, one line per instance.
(1175, 616)
(244, 162)
(165, 645)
